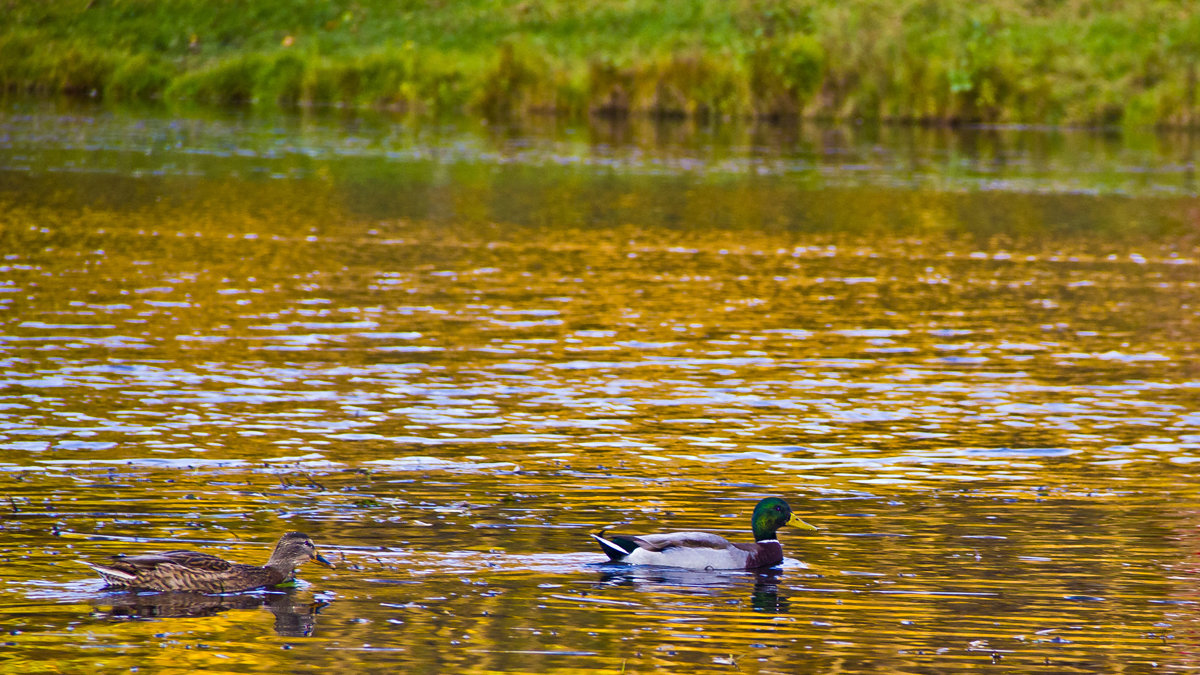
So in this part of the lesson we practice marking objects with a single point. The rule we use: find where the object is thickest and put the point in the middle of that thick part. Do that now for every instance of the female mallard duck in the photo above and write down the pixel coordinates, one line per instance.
(192, 571)
(704, 551)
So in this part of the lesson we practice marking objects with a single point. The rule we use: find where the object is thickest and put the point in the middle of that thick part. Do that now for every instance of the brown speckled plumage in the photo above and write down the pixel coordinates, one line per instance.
(193, 571)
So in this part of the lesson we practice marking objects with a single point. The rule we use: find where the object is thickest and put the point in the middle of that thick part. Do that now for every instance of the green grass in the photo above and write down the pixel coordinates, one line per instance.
(1007, 61)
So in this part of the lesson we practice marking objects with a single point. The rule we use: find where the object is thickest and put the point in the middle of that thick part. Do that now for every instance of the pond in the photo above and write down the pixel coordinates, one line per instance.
(449, 352)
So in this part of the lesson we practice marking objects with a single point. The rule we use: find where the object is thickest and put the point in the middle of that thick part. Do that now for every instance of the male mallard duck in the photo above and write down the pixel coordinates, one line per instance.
(192, 571)
(704, 551)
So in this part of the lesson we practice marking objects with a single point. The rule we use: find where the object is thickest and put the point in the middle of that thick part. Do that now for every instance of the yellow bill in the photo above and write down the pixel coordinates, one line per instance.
(794, 521)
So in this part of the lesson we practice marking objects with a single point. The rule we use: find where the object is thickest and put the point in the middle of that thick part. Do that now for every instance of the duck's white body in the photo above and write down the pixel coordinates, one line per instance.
(704, 551)
(692, 550)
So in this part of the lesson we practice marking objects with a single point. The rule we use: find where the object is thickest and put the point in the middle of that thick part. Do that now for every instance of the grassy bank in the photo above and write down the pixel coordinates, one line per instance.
(1011, 61)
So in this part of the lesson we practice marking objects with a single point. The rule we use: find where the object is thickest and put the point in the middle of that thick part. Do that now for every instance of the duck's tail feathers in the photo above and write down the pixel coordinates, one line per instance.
(613, 550)
(110, 574)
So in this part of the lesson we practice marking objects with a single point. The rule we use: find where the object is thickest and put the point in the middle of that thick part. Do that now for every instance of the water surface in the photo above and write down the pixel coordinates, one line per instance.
(449, 352)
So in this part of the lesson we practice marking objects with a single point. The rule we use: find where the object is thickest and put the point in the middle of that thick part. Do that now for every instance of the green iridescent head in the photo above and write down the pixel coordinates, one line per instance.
(771, 514)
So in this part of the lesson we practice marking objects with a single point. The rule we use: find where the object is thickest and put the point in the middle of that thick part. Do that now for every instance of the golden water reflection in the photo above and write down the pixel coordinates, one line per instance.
(987, 400)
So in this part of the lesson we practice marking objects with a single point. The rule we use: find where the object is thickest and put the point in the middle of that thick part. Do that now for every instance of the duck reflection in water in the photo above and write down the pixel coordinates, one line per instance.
(294, 617)
(764, 597)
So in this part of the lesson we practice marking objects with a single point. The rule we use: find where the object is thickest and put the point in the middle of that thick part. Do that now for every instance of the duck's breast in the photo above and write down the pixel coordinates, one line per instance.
(766, 553)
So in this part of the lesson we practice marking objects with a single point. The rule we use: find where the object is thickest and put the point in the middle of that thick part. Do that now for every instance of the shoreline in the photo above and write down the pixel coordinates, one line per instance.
(926, 63)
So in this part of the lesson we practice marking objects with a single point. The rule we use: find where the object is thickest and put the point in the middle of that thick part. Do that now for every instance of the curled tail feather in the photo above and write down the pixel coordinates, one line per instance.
(617, 549)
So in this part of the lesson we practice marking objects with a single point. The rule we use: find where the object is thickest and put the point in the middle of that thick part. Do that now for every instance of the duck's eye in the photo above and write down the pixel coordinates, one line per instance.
(778, 507)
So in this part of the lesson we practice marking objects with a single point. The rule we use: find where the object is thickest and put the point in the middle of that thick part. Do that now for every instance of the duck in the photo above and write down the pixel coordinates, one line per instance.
(205, 573)
(705, 551)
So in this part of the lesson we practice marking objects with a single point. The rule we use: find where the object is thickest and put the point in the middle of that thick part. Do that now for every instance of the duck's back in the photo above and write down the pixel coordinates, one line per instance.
(688, 539)
(183, 571)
